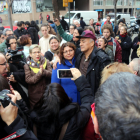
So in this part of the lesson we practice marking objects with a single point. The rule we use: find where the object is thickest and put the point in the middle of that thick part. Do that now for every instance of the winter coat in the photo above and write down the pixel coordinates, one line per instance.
(117, 50)
(76, 115)
(68, 85)
(109, 53)
(17, 124)
(99, 59)
(19, 33)
(135, 47)
(126, 44)
(37, 81)
(3, 46)
(64, 25)
(34, 34)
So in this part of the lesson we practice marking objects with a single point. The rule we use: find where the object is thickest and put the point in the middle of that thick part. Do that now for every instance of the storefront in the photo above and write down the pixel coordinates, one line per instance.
(100, 13)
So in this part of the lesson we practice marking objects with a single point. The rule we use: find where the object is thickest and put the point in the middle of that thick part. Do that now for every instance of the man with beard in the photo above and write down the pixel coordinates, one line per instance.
(112, 43)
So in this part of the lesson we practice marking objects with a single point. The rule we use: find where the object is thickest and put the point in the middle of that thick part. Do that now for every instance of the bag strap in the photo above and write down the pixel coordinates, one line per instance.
(63, 131)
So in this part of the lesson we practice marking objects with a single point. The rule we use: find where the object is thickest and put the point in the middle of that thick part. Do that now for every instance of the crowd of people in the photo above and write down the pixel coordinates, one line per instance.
(99, 102)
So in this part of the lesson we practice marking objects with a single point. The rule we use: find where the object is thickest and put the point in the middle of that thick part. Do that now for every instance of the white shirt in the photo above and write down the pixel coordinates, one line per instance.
(44, 43)
(26, 51)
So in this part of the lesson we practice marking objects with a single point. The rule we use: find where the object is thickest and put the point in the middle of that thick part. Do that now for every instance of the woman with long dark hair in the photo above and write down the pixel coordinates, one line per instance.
(55, 111)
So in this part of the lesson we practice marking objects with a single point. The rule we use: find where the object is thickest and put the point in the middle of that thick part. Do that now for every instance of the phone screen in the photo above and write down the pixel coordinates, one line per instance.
(64, 74)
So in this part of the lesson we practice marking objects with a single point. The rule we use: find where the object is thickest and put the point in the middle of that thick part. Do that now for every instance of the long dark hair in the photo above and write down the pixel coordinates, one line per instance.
(47, 109)
(33, 24)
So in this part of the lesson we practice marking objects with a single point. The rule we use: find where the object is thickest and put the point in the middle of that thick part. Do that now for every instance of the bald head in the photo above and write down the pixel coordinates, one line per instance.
(135, 66)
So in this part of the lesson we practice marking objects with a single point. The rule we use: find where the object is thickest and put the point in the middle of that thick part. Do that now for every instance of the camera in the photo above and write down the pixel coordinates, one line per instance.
(4, 98)
(16, 55)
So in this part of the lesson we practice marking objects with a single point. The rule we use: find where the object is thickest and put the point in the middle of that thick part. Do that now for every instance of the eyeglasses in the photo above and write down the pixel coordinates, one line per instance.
(4, 64)
(36, 52)
(2, 37)
(70, 51)
(9, 34)
(71, 28)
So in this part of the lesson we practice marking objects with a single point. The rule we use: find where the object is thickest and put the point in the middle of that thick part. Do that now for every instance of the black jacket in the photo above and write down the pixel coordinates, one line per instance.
(19, 33)
(77, 44)
(34, 34)
(99, 59)
(82, 23)
(126, 44)
(48, 55)
(18, 124)
(64, 25)
(77, 116)
(135, 47)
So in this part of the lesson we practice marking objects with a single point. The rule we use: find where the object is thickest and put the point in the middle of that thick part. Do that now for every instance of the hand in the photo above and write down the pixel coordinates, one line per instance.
(41, 69)
(76, 73)
(56, 21)
(9, 113)
(12, 78)
(7, 56)
(57, 60)
(16, 94)
(117, 38)
(119, 41)
(138, 43)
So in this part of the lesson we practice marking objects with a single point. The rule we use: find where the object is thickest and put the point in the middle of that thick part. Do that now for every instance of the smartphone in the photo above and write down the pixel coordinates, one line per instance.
(64, 73)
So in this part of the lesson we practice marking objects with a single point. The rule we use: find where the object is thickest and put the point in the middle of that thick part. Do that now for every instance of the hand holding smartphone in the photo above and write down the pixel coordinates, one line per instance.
(64, 73)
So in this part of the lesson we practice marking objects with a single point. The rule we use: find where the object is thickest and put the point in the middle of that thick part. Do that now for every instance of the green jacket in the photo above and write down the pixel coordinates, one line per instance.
(63, 34)
(3, 46)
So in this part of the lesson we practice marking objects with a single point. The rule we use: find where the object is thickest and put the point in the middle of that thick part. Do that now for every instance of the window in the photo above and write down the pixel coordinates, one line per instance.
(97, 2)
(125, 2)
(109, 2)
(119, 2)
(137, 2)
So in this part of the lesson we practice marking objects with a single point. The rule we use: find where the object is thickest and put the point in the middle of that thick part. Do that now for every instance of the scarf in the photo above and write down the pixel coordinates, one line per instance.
(55, 51)
(106, 22)
(124, 35)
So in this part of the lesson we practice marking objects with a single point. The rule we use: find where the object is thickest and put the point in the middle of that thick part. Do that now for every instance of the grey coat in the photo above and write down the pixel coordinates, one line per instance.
(110, 53)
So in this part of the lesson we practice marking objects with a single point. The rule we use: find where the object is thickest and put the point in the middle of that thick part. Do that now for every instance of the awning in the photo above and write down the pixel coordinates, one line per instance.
(98, 10)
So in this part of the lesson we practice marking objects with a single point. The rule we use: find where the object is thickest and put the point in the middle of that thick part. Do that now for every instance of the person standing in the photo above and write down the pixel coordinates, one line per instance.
(82, 23)
(108, 18)
(41, 18)
(44, 41)
(135, 46)
(126, 43)
(64, 24)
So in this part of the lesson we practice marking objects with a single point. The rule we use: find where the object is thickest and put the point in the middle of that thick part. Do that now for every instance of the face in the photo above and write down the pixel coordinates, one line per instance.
(101, 43)
(68, 53)
(122, 30)
(13, 44)
(23, 26)
(36, 54)
(77, 24)
(91, 22)
(44, 31)
(86, 44)
(106, 33)
(120, 27)
(9, 33)
(54, 44)
(71, 30)
(75, 34)
(19, 27)
(3, 65)
(108, 19)
(2, 38)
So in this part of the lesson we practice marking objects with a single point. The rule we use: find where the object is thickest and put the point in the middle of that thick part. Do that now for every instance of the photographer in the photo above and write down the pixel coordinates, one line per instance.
(10, 121)
(16, 61)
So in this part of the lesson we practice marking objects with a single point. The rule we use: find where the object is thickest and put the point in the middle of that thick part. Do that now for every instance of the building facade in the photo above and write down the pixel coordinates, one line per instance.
(27, 10)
